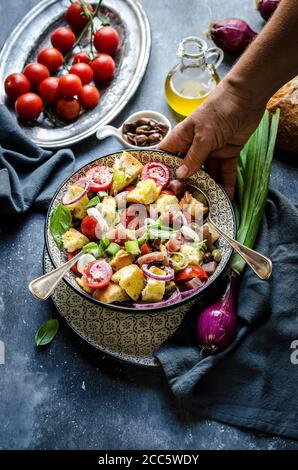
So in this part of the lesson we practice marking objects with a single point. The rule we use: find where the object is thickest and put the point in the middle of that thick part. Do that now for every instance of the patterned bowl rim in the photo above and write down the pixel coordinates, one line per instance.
(121, 308)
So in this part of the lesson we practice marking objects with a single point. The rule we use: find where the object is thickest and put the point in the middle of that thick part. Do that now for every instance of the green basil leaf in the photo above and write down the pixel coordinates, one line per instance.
(60, 222)
(47, 332)
(93, 202)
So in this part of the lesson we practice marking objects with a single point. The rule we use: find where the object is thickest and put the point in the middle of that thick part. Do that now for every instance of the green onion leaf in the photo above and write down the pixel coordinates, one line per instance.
(132, 247)
(112, 249)
(94, 249)
(93, 202)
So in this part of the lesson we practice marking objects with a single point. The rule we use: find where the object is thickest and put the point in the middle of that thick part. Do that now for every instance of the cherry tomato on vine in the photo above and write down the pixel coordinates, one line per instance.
(48, 90)
(63, 39)
(28, 106)
(16, 84)
(81, 57)
(68, 109)
(36, 73)
(51, 58)
(75, 16)
(89, 96)
(106, 39)
(83, 71)
(70, 85)
(103, 67)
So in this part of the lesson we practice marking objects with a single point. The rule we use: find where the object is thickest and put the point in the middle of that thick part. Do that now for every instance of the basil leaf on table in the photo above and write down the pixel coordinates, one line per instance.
(60, 222)
(47, 332)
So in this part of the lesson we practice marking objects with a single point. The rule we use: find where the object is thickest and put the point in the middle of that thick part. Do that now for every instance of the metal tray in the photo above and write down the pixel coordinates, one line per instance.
(33, 33)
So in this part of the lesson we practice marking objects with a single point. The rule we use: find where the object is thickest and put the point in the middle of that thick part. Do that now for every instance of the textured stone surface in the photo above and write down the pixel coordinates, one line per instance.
(71, 396)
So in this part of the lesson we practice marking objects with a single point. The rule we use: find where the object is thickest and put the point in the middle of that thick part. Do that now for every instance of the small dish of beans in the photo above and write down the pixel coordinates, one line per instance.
(144, 129)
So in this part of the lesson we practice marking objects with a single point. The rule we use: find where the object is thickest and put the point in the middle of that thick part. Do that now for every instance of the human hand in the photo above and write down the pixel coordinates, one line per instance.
(216, 131)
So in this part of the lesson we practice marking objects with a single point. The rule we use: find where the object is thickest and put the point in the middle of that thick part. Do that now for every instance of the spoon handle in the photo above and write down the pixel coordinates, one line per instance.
(43, 286)
(260, 264)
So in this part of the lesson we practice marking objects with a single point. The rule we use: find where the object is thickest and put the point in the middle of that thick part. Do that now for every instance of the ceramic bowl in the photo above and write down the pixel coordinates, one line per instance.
(221, 212)
(111, 131)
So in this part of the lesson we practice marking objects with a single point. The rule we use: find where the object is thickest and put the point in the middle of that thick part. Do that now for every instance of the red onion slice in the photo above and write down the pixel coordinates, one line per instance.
(67, 201)
(175, 297)
(159, 277)
(189, 292)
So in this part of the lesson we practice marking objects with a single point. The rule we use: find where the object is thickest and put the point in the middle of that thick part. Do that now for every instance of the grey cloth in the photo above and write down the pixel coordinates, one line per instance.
(29, 175)
(254, 382)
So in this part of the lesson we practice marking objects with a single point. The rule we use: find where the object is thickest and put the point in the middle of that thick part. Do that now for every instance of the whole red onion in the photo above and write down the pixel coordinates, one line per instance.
(217, 324)
(267, 7)
(232, 35)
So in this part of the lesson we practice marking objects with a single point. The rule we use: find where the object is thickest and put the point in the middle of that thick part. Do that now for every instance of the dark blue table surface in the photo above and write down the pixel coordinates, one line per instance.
(70, 395)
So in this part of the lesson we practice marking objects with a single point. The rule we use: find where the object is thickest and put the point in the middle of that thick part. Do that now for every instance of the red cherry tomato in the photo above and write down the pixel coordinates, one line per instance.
(48, 90)
(51, 58)
(36, 73)
(167, 191)
(68, 109)
(106, 39)
(16, 84)
(97, 274)
(190, 272)
(83, 71)
(101, 178)
(28, 106)
(81, 57)
(74, 267)
(75, 16)
(88, 227)
(145, 249)
(63, 39)
(158, 172)
(89, 96)
(70, 85)
(103, 67)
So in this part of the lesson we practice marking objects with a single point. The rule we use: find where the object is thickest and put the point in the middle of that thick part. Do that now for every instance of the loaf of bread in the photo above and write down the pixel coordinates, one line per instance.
(287, 100)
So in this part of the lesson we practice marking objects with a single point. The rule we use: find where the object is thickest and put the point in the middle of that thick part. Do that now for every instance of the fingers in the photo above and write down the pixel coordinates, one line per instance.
(195, 157)
(229, 175)
(179, 140)
(230, 151)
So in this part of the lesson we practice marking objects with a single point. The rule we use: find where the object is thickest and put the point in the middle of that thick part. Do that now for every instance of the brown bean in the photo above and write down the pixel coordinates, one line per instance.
(154, 138)
(131, 137)
(142, 122)
(129, 127)
(141, 139)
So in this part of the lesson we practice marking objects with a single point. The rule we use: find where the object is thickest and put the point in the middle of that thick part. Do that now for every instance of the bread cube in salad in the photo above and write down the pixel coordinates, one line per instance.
(131, 279)
(154, 289)
(126, 169)
(74, 240)
(145, 192)
(121, 259)
(111, 293)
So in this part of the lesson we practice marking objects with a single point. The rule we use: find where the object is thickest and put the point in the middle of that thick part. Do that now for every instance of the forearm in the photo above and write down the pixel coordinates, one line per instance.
(271, 60)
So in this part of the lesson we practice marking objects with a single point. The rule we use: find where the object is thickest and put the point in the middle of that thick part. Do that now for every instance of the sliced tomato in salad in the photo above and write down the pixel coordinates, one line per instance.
(158, 172)
(130, 187)
(74, 267)
(97, 274)
(100, 178)
(88, 225)
(190, 272)
(145, 249)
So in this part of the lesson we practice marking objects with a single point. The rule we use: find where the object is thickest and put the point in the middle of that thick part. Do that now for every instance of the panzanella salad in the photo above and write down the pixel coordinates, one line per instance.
(142, 234)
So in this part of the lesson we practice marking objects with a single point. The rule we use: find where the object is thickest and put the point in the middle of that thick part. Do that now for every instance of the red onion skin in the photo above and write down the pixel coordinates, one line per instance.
(217, 324)
(267, 7)
(232, 35)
